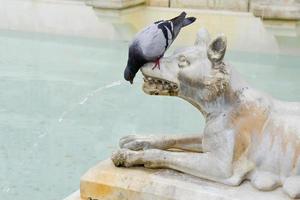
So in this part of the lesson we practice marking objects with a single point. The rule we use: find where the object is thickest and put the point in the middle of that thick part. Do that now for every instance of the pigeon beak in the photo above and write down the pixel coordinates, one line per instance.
(131, 82)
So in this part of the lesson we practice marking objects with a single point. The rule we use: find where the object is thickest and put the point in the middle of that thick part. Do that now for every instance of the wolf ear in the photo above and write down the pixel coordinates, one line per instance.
(216, 50)
(202, 38)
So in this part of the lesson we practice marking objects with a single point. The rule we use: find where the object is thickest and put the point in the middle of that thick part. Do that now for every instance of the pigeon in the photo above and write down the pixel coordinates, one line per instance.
(150, 44)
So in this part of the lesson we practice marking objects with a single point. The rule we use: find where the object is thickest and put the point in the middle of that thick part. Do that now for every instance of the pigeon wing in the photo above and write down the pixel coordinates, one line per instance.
(168, 31)
(152, 42)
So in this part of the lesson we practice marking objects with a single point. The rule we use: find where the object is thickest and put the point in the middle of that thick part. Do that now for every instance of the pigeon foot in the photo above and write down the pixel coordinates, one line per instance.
(157, 64)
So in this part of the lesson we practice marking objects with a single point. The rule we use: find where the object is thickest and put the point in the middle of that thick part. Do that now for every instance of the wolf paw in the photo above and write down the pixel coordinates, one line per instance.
(292, 187)
(123, 158)
(265, 181)
(137, 143)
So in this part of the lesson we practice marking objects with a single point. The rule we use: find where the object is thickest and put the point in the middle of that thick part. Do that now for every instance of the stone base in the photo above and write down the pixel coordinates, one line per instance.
(114, 4)
(74, 196)
(106, 182)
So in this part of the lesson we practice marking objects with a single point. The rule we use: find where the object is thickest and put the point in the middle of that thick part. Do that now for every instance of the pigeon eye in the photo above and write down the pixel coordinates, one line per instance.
(183, 62)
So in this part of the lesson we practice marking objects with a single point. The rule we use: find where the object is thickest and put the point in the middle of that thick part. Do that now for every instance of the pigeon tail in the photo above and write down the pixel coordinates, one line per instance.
(177, 21)
(189, 20)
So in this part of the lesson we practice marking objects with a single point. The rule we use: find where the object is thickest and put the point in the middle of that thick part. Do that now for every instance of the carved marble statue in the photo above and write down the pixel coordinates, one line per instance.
(248, 135)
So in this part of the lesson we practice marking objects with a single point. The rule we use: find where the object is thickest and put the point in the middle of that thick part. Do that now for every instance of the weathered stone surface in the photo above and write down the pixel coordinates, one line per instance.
(106, 182)
(276, 9)
(235, 5)
(114, 4)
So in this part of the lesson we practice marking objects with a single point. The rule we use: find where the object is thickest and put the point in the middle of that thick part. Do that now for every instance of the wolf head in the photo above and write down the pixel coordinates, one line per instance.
(195, 73)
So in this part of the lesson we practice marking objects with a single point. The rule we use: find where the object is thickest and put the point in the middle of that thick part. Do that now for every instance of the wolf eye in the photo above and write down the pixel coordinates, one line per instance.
(182, 58)
(183, 62)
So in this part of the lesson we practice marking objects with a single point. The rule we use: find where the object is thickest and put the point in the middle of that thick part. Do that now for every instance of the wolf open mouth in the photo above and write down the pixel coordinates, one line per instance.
(156, 86)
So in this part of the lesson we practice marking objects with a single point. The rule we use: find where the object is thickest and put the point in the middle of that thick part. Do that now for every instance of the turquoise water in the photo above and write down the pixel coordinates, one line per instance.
(64, 105)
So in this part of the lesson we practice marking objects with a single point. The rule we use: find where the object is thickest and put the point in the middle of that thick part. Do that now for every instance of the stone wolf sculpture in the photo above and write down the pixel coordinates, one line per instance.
(248, 135)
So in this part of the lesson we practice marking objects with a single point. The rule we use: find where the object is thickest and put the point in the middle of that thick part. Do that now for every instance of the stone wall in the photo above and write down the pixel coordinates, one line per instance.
(276, 9)
(114, 4)
(159, 3)
(61, 17)
(267, 9)
(235, 5)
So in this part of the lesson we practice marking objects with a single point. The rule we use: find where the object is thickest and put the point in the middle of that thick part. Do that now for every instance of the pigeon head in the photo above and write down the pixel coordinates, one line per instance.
(134, 63)
(128, 75)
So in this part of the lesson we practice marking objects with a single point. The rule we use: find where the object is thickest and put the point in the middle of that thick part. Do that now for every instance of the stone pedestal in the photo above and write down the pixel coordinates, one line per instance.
(114, 4)
(276, 9)
(74, 196)
(106, 182)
